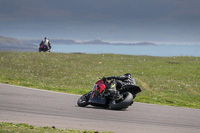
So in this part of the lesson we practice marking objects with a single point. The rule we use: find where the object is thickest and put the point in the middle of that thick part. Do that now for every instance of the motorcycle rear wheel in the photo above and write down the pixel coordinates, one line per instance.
(122, 103)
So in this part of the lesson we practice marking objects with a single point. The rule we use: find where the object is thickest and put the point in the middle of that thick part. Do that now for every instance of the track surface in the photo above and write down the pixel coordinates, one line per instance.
(46, 108)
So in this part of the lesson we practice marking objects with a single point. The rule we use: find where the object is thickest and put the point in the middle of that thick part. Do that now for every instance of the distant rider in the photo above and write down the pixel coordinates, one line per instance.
(46, 44)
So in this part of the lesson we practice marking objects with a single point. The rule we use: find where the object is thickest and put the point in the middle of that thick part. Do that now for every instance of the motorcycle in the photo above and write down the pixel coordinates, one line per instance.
(44, 48)
(106, 95)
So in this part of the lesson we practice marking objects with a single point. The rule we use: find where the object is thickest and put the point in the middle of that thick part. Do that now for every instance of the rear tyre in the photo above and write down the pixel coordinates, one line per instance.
(123, 102)
(83, 100)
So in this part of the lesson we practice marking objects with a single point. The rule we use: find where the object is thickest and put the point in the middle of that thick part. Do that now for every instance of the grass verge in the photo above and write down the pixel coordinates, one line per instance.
(173, 81)
(25, 128)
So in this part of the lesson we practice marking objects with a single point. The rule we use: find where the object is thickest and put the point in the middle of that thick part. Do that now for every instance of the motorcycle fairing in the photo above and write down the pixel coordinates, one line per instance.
(43, 46)
(99, 88)
(97, 94)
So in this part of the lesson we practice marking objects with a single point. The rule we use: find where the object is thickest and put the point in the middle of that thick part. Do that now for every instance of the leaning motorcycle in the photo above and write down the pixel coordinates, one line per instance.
(108, 97)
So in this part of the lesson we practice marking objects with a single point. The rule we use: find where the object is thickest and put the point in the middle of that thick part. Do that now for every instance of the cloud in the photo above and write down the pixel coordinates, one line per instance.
(108, 10)
(110, 18)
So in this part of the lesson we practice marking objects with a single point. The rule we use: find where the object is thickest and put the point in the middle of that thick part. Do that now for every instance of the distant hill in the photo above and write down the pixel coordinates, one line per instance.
(94, 42)
(53, 41)
(98, 41)
(7, 43)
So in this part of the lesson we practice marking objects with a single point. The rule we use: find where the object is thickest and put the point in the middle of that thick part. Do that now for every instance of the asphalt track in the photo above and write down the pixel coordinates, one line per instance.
(46, 108)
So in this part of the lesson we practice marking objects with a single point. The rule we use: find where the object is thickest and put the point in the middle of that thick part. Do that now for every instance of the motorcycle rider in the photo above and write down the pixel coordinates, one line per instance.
(123, 83)
(45, 43)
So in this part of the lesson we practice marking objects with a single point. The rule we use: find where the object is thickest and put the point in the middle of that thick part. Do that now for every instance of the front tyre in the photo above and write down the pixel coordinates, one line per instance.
(123, 102)
(83, 100)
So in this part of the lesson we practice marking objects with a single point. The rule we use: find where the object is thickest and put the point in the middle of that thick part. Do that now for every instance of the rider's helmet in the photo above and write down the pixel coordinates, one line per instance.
(45, 38)
(127, 74)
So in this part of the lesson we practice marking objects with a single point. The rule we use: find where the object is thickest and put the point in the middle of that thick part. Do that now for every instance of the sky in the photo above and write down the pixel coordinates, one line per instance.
(110, 20)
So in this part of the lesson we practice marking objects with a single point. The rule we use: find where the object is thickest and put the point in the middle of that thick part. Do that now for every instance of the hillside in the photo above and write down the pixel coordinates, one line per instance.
(164, 80)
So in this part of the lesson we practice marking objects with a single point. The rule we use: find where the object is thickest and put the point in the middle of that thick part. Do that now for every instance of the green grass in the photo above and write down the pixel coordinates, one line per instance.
(173, 81)
(25, 128)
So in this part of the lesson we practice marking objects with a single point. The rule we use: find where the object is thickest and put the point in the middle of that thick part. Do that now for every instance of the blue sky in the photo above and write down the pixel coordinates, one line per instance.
(110, 20)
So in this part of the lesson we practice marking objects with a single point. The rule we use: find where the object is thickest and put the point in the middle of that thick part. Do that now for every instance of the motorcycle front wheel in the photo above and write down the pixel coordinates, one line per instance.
(83, 100)
(122, 103)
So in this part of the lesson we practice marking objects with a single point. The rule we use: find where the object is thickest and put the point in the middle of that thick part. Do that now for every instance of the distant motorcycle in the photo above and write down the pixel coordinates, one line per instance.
(44, 48)
(103, 96)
